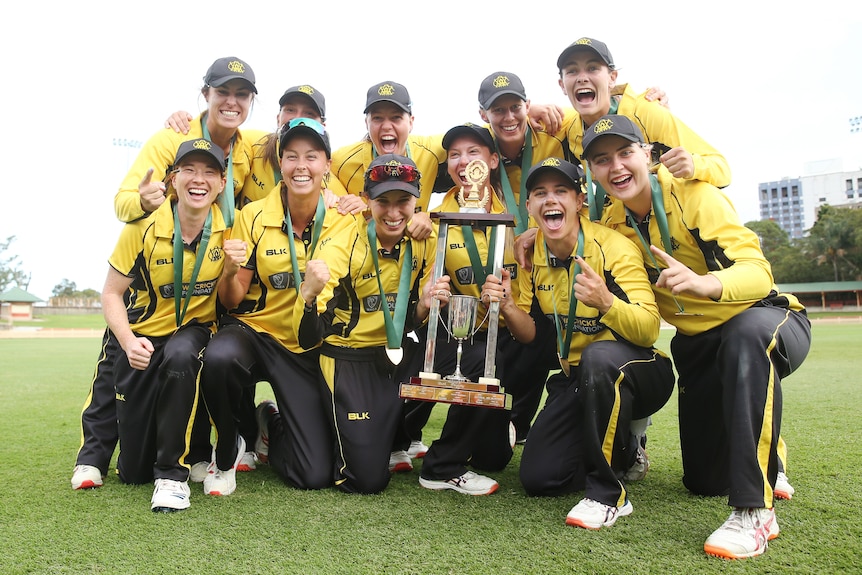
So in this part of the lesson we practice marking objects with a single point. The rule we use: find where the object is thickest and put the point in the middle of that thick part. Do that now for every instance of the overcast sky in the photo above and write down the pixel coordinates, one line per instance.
(772, 85)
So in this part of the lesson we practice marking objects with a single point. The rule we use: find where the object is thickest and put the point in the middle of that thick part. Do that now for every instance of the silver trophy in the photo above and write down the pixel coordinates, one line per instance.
(462, 326)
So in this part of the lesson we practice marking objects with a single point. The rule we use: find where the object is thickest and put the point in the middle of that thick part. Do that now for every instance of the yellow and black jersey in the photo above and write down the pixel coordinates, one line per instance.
(660, 127)
(145, 253)
(707, 236)
(159, 153)
(458, 265)
(262, 175)
(350, 162)
(634, 315)
(268, 304)
(350, 303)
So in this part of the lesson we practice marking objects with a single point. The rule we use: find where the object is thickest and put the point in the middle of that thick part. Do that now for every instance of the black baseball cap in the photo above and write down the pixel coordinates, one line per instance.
(591, 44)
(309, 92)
(391, 172)
(496, 85)
(202, 147)
(611, 125)
(389, 92)
(573, 173)
(224, 70)
(467, 128)
(308, 126)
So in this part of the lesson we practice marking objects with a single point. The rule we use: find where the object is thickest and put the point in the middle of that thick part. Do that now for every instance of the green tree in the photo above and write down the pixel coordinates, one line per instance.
(10, 268)
(772, 236)
(65, 288)
(834, 240)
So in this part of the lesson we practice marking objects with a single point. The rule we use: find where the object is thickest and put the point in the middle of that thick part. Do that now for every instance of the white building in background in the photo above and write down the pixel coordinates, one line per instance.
(793, 203)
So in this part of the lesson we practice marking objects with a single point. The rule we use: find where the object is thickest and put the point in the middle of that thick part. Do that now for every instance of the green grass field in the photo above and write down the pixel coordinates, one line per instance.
(266, 527)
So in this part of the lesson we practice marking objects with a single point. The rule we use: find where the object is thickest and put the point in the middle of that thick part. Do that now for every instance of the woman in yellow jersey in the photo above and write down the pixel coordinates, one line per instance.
(160, 301)
(360, 297)
(229, 89)
(737, 336)
(591, 282)
(257, 340)
(475, 437)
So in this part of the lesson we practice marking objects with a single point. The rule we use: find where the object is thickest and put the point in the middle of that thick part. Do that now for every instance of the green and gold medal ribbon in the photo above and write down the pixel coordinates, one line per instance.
(564, 336)
(596, 198)
(519, 209)
(226, 201)
(394, 325)
(178, 264)
(319, 216)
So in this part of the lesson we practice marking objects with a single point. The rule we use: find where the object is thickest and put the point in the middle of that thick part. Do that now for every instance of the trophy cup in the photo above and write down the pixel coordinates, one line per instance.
(456, 388)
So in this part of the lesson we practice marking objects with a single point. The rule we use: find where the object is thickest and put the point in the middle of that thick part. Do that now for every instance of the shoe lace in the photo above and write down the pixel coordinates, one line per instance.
(743, 519)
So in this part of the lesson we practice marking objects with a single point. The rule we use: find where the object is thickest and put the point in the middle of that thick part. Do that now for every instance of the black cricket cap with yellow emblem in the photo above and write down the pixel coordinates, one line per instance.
(496, 85)
(596, 46)
(571, 172)
(203, 147)
(389, 92)
(611, 125)
(224, 70)
(309, 92)
(480, 132)
(391, 172)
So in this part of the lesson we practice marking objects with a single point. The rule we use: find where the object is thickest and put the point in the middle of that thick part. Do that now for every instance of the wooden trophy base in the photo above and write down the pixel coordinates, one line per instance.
(431, 387)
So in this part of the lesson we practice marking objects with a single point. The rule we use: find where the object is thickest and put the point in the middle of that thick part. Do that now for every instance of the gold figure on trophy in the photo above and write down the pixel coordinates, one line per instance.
(475, 200)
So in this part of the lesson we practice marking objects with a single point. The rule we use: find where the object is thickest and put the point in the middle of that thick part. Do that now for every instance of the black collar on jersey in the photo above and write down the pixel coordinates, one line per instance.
(393, 254)
(556, 262)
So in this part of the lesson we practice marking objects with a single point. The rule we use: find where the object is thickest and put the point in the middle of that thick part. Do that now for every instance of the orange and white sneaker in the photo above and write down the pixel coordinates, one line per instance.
(86, 477)
(783, 489)
(746, 533)
(592, 514)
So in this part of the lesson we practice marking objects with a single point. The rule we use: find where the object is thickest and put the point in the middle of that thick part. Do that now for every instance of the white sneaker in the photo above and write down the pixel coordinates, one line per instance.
(199, 471)
(639, 468)
(469, 484)
(399, 461)
(513, 435)
(86, 477)
(746, 533)
(783, 489)
(417, 450)
(591, 514)
(170, 496)
(264, 410)
(246, 462)
(219, 482)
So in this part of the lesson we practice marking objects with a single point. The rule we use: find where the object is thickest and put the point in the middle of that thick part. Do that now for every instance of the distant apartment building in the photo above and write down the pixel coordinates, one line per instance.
(793, 203)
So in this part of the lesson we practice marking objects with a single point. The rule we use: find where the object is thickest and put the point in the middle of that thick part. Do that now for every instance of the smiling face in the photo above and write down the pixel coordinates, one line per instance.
(388, 127)
(587, 81)
(463, 150)
(622, 169)
(554, 203)
(507, 117)
(303, 165)
(228, 105)
(391, 212)
(298, 106)
(197, 181)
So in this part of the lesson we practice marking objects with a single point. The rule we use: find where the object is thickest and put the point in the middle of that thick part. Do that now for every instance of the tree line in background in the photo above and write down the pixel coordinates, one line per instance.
(832, 251)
